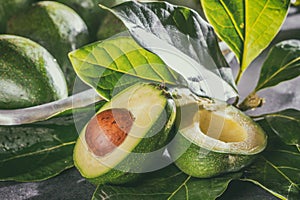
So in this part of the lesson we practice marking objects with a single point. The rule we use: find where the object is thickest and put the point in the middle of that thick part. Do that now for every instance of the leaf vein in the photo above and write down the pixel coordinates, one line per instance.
(38, 152)
(179, 187)
(232, 20)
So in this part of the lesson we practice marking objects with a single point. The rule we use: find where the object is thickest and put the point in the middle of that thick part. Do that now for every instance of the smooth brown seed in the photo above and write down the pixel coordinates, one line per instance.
(108, 130)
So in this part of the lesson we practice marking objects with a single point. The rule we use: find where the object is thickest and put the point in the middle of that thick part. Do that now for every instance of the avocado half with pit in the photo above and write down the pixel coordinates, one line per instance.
(56, 27)
(116, 144)
(29, 75)
(213, 137)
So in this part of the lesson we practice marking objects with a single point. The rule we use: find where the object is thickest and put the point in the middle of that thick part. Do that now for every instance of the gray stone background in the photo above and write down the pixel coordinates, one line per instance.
(70, 185)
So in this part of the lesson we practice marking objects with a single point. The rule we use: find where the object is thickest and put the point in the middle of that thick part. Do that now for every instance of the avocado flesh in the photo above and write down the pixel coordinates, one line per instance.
(56, 27)
(29, 75)
(214, 138)
(153, 114)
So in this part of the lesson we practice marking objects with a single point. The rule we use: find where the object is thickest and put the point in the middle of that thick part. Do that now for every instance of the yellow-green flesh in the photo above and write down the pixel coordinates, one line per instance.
(146, 113)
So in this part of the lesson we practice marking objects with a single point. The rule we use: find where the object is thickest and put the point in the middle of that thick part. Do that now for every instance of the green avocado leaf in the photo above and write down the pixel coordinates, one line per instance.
(286, 124)
(277, 169)
(184, 41)
(282, 64)
(41, 150)
(168, 183)
(117, 63)
(246, 26)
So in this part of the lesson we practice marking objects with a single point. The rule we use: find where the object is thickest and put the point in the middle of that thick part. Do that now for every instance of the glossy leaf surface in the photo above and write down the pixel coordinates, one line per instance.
(41, 150)
(282, 64)
(168, 183)
(117, 63)
(184, 41)
(286, 124)
(247, 26)
(277, 169)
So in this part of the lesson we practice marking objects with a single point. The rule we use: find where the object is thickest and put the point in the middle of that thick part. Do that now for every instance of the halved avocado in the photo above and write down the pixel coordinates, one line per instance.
(116, 145)
(213, 137)
(29, 75)
(56, 27)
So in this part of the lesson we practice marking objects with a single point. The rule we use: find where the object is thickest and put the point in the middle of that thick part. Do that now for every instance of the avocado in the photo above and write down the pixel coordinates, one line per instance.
(110, 26)
(56, 27)
(213, 137)
(10, 8)
(29, 74)
(89, 11)
(113, 146)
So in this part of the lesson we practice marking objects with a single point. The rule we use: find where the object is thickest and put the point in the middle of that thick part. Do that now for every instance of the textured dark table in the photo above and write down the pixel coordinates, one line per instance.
(70, 185)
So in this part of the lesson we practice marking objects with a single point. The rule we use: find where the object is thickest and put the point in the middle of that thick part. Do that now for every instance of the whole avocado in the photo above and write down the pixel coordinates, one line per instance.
(110, 26)
(29, 74)
(56, 27)
(89, 11)
(10, 8)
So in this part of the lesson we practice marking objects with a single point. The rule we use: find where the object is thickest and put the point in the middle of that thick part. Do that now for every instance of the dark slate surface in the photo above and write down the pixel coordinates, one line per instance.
(70, 185)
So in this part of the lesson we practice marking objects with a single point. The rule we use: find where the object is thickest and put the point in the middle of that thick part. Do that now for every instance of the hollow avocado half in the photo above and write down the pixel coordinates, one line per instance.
(29, 75)
(56, 27)
(213, 137)
(116, 145)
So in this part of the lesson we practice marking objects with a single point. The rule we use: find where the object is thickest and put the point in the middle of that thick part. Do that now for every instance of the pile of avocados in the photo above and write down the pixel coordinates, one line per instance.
(203, 137)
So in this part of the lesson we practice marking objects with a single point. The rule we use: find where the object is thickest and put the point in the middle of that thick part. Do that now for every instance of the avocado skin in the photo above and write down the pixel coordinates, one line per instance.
(110, 26)
(203, 163)
(56, 27)
(8, 8)
(157, 141)
(89, 11)
(29, 75)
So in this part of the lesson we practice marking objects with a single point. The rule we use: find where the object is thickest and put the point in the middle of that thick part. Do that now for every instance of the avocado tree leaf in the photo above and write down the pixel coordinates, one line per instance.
(184, 41)
(41, 150)
(286, 124)
(247, 26)
(277, 169)
(282, 64)
(117, 63)
(168, 183)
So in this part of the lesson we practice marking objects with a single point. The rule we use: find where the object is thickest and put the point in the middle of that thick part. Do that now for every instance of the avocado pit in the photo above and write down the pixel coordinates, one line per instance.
(108, 130)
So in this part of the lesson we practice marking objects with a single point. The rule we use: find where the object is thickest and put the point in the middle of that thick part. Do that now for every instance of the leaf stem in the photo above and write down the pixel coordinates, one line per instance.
(252, 101)
(239, 76)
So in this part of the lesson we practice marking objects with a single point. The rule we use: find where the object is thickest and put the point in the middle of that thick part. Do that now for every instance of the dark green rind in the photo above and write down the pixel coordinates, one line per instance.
(110, 26)
(29, 74)
(89, 11)
(203, 163)
(56, 27)
(8, 8)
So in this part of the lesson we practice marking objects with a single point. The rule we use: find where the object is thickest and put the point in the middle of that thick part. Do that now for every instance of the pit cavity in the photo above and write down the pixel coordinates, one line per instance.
(221, 127)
